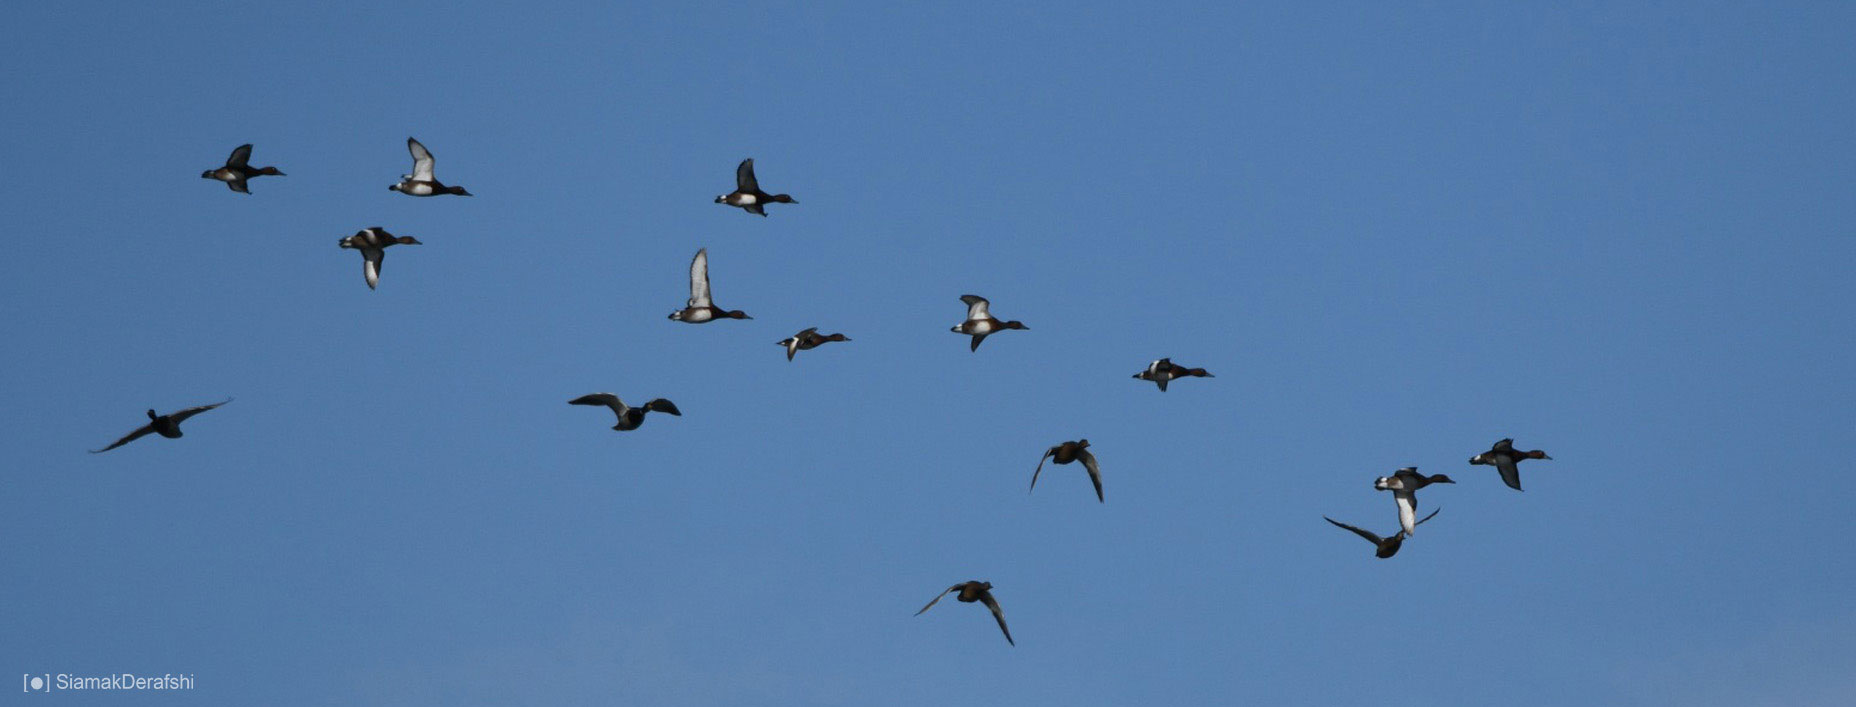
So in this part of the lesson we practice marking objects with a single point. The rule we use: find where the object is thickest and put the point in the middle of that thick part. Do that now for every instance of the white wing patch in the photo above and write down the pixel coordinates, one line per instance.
(699, 280)
(421, 161)
(372, 258)
(977, 310)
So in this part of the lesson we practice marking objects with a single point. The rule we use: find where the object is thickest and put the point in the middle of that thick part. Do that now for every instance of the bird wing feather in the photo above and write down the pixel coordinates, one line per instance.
(699, 280)
(422, 163)
(744, 176)
(131, 437)
(1095, 472)
(177, 417)
(997, 615)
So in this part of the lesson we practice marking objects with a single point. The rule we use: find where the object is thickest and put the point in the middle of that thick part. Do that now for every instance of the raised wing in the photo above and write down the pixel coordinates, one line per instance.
(976, 307)
(1506, 445)
(998, 615)
(1374, 539)
(177, 417)
(241, 156)
(663, 405)
(131, 437)
(606, 399)
(421, 161)
(937, 598)
(1095, 473)
(699, 280)
(1034, 472)
(744, 176)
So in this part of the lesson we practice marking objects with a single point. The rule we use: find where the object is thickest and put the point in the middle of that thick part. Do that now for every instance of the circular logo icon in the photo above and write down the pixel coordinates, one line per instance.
(38, 683)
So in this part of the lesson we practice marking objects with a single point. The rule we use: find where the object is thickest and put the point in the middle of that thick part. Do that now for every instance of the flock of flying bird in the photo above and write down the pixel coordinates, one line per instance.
(979, 324)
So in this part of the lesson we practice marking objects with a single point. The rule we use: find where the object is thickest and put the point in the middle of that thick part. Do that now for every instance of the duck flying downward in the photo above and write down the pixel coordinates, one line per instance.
(629, 417)
(1507, 460)
(422, 181)
(980, 323)
(747, 194)
(165, 425)
(238, 169)
(373, 243)
(1404, 485)
(808, 340)
(971, 592)
(1386, 547)
(1069, 452)
(1164, 370)
(701, 307)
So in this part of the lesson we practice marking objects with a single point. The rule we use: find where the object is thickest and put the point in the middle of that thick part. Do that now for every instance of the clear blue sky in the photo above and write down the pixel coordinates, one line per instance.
(1396, 232)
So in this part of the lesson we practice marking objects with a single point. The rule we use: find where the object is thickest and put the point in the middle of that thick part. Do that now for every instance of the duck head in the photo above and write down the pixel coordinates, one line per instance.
(408, 240)
(736, 314)
(152, 415)
(1440, 479)
(1015, 324)
(782, 198)
(460, 191)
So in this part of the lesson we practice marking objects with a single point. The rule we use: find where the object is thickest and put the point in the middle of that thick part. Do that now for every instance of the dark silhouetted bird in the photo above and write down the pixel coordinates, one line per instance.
(1386, 547)
(1507, 460)
(165, 425)
(1069, 452)
(629, 417)
(238, 169)
(971, 592)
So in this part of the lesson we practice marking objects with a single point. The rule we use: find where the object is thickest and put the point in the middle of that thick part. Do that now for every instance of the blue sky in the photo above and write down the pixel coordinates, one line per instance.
(1396, 233)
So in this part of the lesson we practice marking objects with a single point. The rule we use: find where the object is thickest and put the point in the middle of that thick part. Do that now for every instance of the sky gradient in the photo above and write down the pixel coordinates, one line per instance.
(1618, 232)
